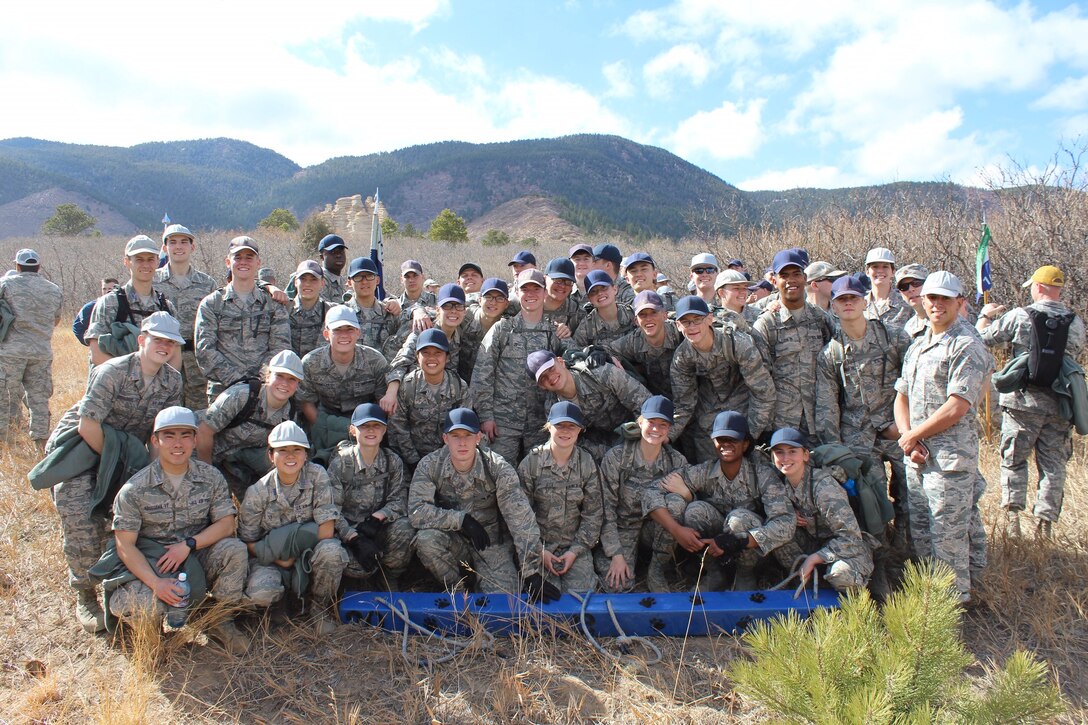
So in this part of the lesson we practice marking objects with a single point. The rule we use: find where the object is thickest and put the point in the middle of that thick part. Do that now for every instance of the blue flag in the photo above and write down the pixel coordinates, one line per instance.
(165, 218)
(377, 254)
(983, 280)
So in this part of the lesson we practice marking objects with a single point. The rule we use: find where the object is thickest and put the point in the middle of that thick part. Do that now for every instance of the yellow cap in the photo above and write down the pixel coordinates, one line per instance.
(1049, 275)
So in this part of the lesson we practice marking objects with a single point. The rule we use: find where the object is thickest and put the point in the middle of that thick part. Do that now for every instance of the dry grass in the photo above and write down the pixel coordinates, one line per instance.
(52, 672)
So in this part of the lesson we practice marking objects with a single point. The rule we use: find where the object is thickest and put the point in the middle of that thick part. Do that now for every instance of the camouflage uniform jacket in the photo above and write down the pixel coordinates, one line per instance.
(653, 363)
(855, 384)
(360, 491)
(252, 433)
(105, 310)
(394, 343)
(606, 394)
(824, 504)
(185, 293)
(377, 325)
(405, 360)
(935, 367)
(566, 499)
(570, 313)
(36, 303)
(151, 505)
(625, 293)
(415, 429)
(440, 497)
(307, 325)
(339, 393)
(885, 310)
(790, 342)
(335, 289)
(595, 331)
(729, 376)
(269, 504)
(233, 340)
(1015, 327)
(756, 488)
(625, 476)
(502, 390)
(740, 320)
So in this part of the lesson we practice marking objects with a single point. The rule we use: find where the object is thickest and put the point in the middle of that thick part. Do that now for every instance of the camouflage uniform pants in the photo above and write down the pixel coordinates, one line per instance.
(30, 381)
(85, 532)
(513, 445)
(225, 565)
(195, 393)
(843, 574)
(448, 554)
(890, 451)
(944, 519)
(580, 578)
(629, 543)
(709, 522)
(398, 542)
(264, 585)
(1051, 437)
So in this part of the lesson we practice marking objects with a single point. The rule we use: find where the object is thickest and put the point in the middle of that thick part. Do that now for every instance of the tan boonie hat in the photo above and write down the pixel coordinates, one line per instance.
(822, 270)
(1048, 275)
(911, 271)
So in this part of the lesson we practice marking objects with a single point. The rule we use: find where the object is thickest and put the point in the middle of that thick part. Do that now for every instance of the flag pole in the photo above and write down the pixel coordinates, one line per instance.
(989, 384)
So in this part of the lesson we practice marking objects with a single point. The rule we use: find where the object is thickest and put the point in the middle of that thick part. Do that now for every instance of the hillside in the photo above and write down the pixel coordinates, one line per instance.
(536, 217)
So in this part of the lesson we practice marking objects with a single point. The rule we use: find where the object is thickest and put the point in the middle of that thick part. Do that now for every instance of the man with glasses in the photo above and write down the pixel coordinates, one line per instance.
(819, 277)
(912, 315)
(704, 272)
(378, 319)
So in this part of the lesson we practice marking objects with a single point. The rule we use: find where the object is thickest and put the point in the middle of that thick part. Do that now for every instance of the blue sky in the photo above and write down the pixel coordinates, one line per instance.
(766, 95)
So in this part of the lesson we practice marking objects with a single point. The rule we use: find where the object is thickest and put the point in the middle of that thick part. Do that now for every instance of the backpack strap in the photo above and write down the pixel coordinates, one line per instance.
(124, 310)
(243, 415)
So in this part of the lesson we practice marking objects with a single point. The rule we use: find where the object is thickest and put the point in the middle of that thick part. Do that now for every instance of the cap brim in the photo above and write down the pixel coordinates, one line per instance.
(658, 416)
(560, 275)
(284, 444)
(435, 345)
(566, 419)
(648, 306)
(334, 246)
(462, 426)
(369, 419)
(725, 433)
(186, 426)
(165, 335)
(528, 282)
(848, 293)
(444, 300)
(239, 248)
(942, 291)
(286, 371)
(337, 324)
(544, 368)
(1027, 284)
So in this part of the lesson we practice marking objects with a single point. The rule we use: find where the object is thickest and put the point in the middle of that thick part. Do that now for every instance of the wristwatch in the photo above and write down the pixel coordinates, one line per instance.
(191, 543)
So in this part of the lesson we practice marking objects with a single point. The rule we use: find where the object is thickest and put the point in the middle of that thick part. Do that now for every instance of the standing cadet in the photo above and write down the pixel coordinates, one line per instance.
(239, 327)
(182, 509)
(715, 370)
(307, 311)
(470, 277)
(26, 353)
(704, 272)
(448, 318)
(819, 276)
(731, 288)
(124, 393)
(378, 319)
(943, 375)
(414, 301)
(334, 255)
(790, 339)
(370, 487)
(882, 302)
(510, 406)
(648, 349)
(466, 504)
(561, 310)
(609, 259)
(582, 257)
(640, 271)
(564, 488)
(130, 303)
(185, 287)
(492, 305)
(912, 314)
(608, 320)
(1031, 419)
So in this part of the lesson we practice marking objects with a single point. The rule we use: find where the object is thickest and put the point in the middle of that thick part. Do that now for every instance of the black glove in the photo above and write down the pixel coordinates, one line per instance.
(597, 356)
(369, 527)
(732, 544)
(475, 533)
(539, 589)
(366, 552)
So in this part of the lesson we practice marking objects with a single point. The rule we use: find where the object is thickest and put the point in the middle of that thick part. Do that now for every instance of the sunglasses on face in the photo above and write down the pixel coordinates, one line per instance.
(908, 284)
(704, 270)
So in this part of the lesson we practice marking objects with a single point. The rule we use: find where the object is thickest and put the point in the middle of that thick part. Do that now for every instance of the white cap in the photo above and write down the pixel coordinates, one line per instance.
(287, 433)
(341, 316)
(27, 257)
(164, 325)
(286, 361)
(175, 417)
(730, 276)
(176, 229)
(945, 284)
(140, 244)
(705, 259)
(880, 254)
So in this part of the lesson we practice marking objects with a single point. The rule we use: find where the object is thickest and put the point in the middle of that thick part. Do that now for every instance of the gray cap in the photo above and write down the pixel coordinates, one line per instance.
(164, 325)
(880, 254)
(140, 244)
(942, 283)
(286, 361)
(341, 316)
(911, 271)
(823, 270)
(243, 242)
(730, 276)
(288, 433)
(175, 417)
(176, 229)
(705, 259)
(530, 276)
(266, 274)
(309, 266)
(27, 257)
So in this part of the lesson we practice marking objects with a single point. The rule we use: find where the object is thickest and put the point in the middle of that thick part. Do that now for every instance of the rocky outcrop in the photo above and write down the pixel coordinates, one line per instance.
(352, 216)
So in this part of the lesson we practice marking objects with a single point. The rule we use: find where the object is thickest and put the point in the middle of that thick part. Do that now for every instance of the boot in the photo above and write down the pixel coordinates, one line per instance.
(1012, 524)
(232, 639)
(878, 582)
(655, 574)
(1044, 529)
(745, 579)
(89, 612)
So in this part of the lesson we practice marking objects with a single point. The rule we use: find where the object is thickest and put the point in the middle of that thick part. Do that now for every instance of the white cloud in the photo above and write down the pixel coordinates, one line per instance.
(535, 107)
(1069, 95)
(800, 177)
(619, 80)
(922, 149)
(727, 132)
(681, 62)
(467, 66)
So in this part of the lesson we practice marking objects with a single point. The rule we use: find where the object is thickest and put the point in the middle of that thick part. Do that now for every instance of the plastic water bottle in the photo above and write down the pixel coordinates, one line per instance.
(176, 616)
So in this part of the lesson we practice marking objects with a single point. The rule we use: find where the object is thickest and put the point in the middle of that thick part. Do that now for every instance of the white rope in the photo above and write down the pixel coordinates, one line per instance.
(795, 571)
(623, 639)
(459, 644)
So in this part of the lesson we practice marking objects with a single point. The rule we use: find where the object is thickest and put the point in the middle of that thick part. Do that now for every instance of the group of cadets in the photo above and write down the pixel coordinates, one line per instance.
(539, 435)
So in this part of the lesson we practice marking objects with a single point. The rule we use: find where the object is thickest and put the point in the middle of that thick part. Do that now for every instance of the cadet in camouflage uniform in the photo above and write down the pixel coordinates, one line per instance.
(471, 277)
(240, 450)
(423, 399)
(561, 309)
(414, 301)
(790, 340)
(239, 327)
(142, 261)
(26, 353)
(493, 305)
(943, 376)
(882, 303)
(609, 259)
(371, 490)
(736, 500)
(581, 255)
(466, 504)
(184, 505)
(648, 350)
(378, 319)
(1031, 419)
(912, 315)
(827, 530)
(608, 320)
(306, 313)
(450, 315)
(640, 271)
(610, 396)
(334, 255)
(125, 393)
(507, 400)
(731, 288)
(714, 370)
(293, 492)
(626, 472)
(184, 287)
(704, 275)
(563, 485)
